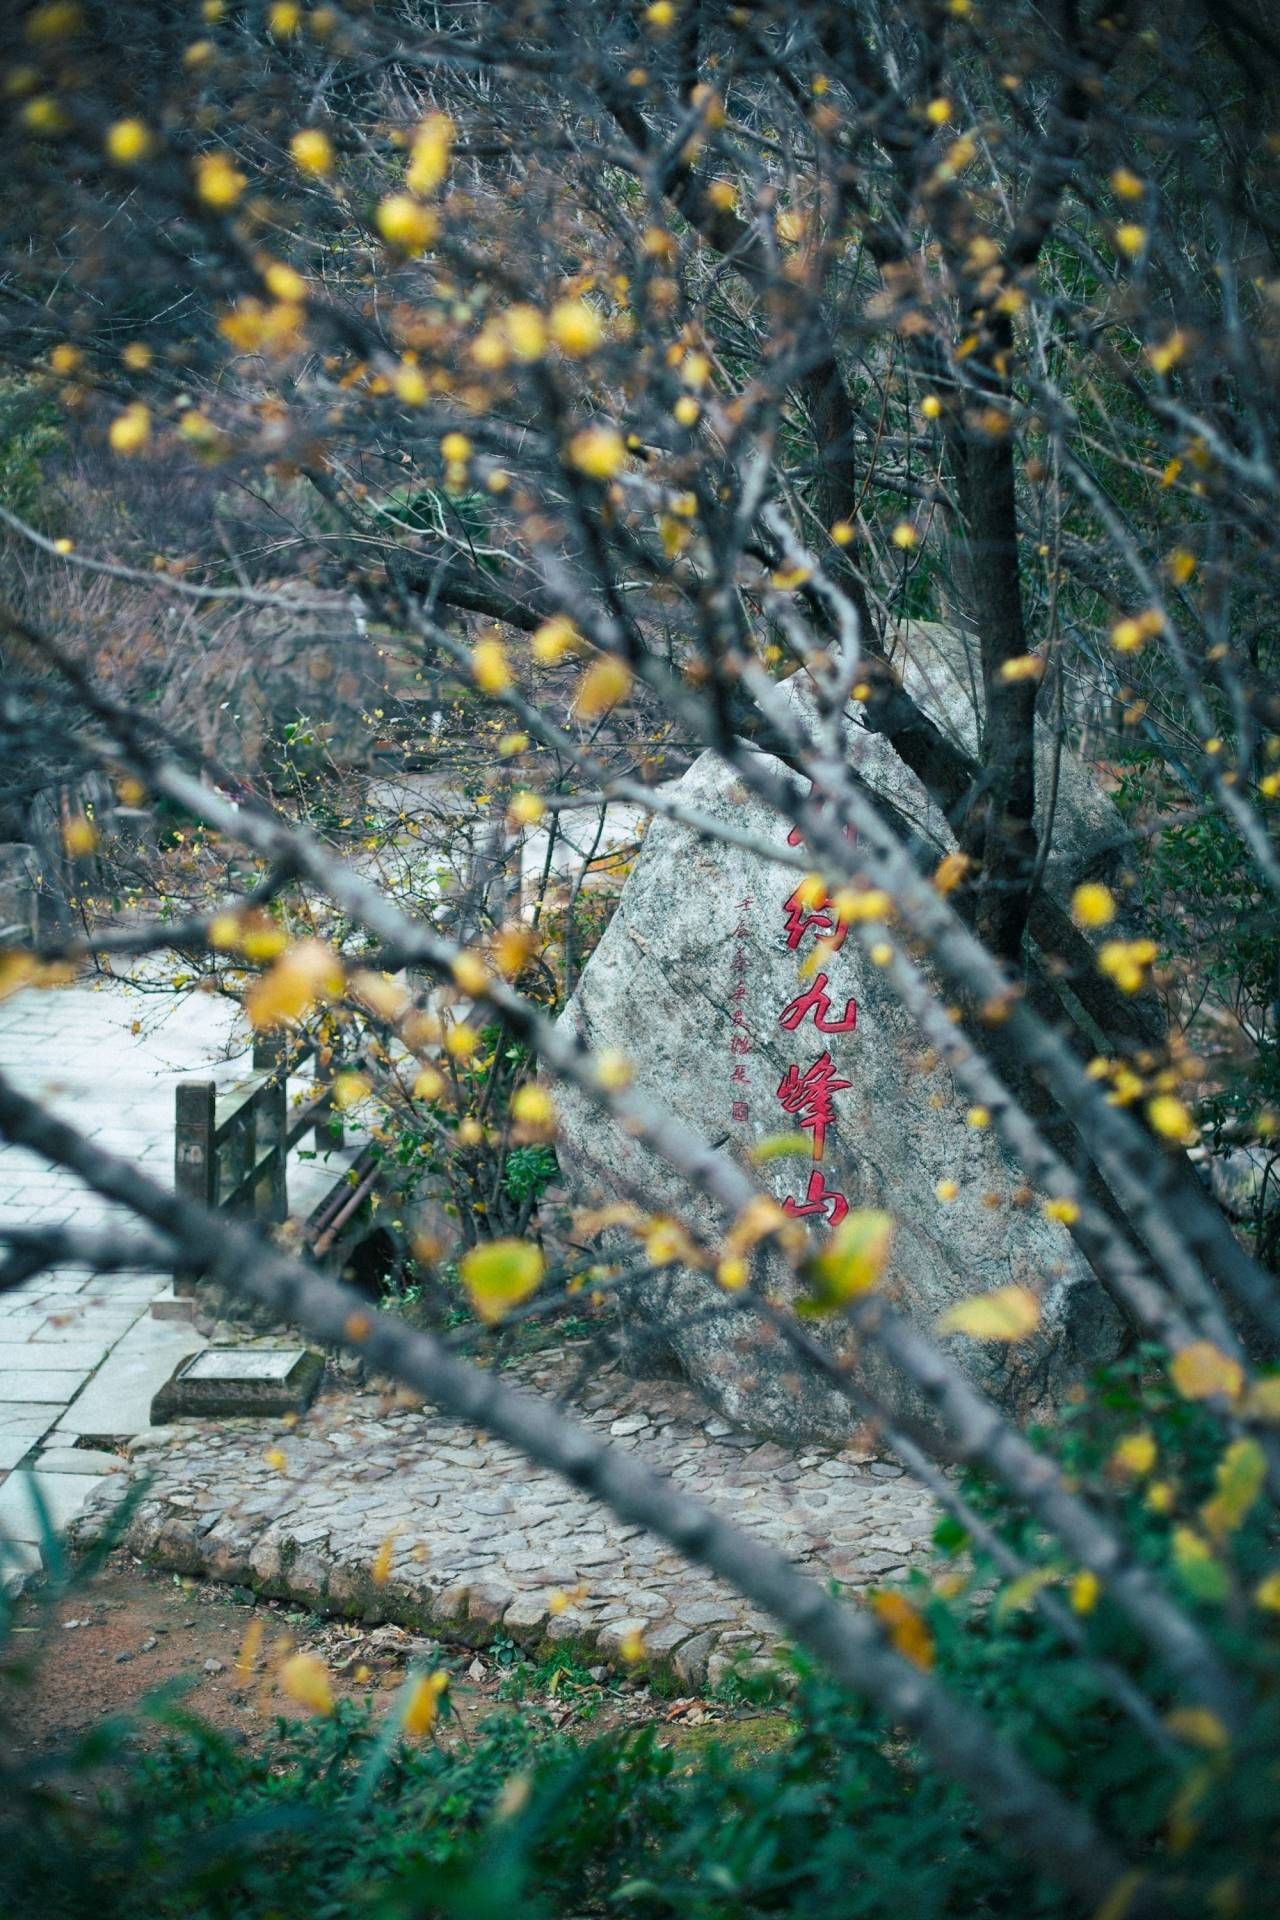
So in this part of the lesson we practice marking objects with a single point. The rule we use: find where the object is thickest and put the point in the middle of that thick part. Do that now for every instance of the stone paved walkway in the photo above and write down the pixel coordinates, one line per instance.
(482, 1542)
(81, 1356)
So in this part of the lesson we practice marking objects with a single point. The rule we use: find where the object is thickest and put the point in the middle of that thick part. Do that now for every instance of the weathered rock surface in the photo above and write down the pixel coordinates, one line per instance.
(691, 981)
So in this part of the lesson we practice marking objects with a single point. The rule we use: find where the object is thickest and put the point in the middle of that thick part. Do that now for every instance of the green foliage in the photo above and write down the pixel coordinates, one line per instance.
(529, 1171)
(31, 433)
(813, 1811)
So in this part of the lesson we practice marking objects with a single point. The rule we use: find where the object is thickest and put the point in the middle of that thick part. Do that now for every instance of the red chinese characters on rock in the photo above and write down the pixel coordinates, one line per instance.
(820, 1199)
(816, 1002)
(739, 1030)
(807, 1094)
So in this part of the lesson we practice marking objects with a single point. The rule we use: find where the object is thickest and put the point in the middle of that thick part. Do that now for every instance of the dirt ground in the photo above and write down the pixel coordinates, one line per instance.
(134, 1634)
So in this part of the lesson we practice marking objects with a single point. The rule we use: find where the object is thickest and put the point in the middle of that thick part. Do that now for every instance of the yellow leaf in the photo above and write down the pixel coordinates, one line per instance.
(1119, 1902)
(1262, 1402)
(1135, 1454)
(1007, 1313)
(907, 1629)
(1201, 1370)
(1198, 1727)
(854, 1259)
(305, 974)
(666, 1242)
(349, 1089)
(780, 1146)
(1267, 1593)
(1085, 1589)
(380, 1571)
(1022, 1591)
(306, 1679)
(499, 1274)
(1202, 1573)
(250, 1648)
(422, 1708)
(1241, 1473)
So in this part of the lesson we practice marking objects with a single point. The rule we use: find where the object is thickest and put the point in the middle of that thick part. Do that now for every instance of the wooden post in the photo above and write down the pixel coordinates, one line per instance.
(195, 1154)
(271, 1196)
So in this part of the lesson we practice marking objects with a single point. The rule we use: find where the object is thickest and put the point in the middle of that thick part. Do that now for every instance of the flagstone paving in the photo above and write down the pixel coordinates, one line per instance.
(80, 1355)
(388, 1511)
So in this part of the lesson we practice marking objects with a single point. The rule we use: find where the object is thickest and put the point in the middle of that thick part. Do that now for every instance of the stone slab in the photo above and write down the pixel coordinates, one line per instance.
(117, 1401)
(51, 1356)
(15, 1445)
(238, 1383)
(62, 1459)
(28, 1416)
(48, 1386)
(64, 1495)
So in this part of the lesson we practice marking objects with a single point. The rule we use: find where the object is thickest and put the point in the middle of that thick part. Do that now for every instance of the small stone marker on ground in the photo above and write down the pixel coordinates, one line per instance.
(239, 1383)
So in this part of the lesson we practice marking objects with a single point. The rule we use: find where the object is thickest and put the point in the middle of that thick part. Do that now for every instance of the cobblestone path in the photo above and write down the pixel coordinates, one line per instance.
(483, 1543)
(81, 1356)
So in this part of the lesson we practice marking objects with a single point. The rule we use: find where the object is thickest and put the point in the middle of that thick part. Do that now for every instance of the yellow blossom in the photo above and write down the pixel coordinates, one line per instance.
(613, 1070)
(422, 1706)
(130, 431)
(527, 808)
(410, 385)
(470, 972)
(406, 224)
(128, 142)
(526, 332)
(554, 639)
(599, 452)
(461, 1041)
(1170, 1119)
(1085, 1589)
(575, 327)
(429, 154)
(603, 685)
(306, 1679)
(219, 182)
(312, 151)
(490, 668)
(1093, 905)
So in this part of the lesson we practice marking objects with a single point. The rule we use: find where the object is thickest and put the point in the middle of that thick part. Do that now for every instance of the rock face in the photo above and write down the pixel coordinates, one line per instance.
(699, 980)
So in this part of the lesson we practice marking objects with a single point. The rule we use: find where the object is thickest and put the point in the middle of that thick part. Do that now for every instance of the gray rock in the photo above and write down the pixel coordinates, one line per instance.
(689, 983)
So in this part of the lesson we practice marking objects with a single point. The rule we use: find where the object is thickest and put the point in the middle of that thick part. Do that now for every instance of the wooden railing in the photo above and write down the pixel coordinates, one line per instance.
(232, 1153)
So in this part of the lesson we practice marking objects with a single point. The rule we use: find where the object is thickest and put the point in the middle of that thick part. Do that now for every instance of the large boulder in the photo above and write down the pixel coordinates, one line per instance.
(698, 980)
